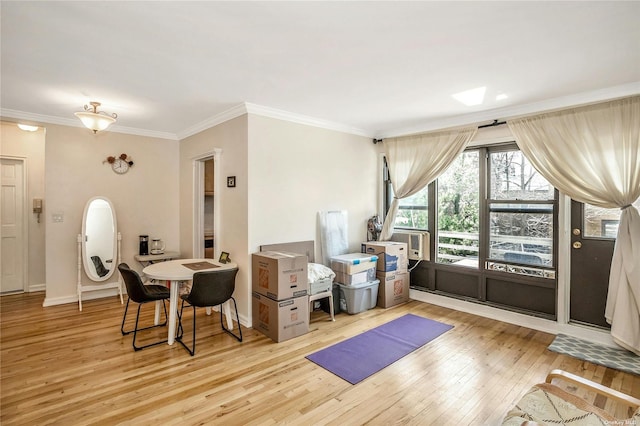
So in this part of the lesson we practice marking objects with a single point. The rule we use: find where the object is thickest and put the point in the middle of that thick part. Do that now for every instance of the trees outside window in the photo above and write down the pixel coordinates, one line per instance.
(513, 218)
(458, 211)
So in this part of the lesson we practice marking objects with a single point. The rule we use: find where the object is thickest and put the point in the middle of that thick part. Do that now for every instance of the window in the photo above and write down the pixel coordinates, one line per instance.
(458, 211)
(602, 223)
(413, 211)
(490, 205)
(521, 215)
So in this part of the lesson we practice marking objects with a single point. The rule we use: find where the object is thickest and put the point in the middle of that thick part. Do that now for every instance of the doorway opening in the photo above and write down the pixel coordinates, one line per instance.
(209, 193)
(206, 205)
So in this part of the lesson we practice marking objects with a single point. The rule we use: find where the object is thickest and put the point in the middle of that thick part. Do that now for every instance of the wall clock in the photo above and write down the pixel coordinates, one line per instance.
(120, 166)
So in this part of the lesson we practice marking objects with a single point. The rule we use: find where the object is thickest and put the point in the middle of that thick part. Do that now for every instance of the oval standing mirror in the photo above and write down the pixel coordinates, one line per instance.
(99, 242)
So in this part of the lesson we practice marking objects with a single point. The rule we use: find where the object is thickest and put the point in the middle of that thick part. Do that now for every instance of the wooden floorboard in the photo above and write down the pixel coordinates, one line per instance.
(62, 366)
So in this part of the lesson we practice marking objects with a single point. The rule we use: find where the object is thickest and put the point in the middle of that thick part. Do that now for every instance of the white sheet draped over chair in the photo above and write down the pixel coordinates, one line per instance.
(417, 160)
(592, 154)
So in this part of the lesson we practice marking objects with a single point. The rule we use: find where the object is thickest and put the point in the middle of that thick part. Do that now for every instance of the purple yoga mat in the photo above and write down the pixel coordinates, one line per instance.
(359, 357)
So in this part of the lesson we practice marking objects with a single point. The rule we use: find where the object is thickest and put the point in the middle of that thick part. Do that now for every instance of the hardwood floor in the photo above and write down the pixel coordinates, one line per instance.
(61, 366)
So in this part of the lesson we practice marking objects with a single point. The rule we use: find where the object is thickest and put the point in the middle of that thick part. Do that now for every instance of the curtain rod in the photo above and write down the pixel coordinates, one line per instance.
(495, 123)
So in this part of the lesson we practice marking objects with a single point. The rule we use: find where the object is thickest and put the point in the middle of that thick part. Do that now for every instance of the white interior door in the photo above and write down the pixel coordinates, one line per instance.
(12, 257)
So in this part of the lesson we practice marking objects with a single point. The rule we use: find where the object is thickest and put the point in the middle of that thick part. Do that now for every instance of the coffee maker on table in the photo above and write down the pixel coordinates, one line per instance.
(144, 245)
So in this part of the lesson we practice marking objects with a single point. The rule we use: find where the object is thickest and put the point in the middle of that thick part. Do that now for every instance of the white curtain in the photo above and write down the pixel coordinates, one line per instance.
(592, 154)
(415, 161)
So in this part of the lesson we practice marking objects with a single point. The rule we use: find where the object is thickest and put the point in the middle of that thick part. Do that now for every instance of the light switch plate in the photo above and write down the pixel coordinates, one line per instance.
(57, 217)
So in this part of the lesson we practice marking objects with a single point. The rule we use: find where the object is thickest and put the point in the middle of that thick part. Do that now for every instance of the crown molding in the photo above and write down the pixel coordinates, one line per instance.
(303, 119)
(263, 111)
(510, 112)
(516, 111)
(70, 122)
(227, 115)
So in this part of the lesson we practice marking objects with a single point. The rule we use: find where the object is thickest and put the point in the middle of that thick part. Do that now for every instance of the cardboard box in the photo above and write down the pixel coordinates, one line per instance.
(357, 278)
(353, 263)
(279, 275)
(392, 255)
(393, 289)
(280, 319)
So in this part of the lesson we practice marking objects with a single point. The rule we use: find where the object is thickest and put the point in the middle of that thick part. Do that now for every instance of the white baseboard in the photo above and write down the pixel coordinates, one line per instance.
(244, 321)
(540, 324)
(33, 288)
(98, 294)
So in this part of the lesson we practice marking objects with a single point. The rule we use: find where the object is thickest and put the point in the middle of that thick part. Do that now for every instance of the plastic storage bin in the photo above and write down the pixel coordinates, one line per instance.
(320, 286)
(365, 276)
(359, 297)
(353, 263)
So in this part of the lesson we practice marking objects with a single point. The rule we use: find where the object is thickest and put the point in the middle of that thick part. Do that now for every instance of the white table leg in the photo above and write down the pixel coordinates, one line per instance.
(226, 307)
(156, 317)
(173, 310)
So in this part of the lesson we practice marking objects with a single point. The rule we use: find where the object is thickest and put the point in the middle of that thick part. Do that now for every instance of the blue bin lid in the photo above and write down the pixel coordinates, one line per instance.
(355, 258)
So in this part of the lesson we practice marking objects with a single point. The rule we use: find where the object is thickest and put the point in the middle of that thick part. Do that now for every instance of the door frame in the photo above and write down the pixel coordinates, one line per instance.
(25, 219)
(197, 237)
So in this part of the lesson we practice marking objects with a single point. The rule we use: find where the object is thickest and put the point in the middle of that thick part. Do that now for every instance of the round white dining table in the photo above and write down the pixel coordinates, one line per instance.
(175, 272)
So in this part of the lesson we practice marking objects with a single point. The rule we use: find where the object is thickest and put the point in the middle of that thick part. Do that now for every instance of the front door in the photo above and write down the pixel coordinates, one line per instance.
(12, 228)
(593, 233)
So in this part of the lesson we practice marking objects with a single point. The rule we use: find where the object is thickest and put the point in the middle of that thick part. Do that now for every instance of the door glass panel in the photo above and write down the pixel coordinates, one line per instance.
(602, 223)
(458, 211)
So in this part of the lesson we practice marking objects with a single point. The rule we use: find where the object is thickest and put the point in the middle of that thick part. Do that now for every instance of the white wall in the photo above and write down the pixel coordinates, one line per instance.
(145, 199)
(295, 171)
(30, 146)
(231, 236)
(285, 173)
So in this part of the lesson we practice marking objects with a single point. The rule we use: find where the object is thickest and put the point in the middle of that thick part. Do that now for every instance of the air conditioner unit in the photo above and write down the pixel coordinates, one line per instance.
(417, 243)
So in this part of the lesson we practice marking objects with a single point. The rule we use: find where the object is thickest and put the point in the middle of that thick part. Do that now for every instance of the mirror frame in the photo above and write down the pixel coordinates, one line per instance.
(85, 259)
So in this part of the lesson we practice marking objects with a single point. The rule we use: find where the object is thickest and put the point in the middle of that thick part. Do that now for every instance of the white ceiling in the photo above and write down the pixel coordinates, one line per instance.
(375, 68)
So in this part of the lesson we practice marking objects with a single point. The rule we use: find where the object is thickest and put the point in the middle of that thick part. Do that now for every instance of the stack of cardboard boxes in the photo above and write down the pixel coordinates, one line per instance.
(392, 271)
(356, 281)
(280, 304)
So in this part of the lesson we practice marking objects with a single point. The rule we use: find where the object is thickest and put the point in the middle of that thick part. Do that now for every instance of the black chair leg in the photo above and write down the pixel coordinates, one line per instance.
(124, 317)
(237, 319)
(135, 332)
(180, 333)
(125, 332)
(181, 330)
(136, 329)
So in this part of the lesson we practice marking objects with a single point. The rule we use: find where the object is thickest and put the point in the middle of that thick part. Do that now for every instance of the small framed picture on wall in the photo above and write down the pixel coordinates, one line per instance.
(231, 181)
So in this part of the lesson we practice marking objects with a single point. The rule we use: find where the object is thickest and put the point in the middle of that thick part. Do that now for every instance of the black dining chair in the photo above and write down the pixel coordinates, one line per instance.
(209, 288)
(141, 294)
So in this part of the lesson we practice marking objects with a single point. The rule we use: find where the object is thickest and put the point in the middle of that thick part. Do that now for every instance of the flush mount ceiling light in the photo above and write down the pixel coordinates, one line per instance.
(471, 97)
(27, 127)
(94, 119)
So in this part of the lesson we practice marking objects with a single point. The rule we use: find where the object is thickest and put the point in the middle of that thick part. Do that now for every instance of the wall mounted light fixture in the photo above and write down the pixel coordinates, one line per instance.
(94, 119)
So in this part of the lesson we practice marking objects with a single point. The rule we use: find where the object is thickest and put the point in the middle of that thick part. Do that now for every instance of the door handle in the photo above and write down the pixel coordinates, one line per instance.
(577, 244)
